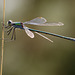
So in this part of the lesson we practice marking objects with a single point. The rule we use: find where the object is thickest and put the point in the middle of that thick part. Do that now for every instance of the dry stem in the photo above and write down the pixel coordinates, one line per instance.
(3, 35)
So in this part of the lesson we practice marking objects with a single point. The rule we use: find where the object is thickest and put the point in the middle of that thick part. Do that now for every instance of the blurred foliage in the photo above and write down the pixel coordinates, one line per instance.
(37, 56)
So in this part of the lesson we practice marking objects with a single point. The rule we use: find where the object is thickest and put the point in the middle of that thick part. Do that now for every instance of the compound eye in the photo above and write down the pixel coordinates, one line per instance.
(9, 22)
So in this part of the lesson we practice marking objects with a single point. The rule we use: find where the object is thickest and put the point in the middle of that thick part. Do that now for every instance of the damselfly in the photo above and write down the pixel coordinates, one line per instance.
(39, 21)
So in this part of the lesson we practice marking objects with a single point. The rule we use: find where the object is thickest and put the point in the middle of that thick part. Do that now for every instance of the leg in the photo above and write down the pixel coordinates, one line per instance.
(8, 32)
(7, 27)
(13, 33)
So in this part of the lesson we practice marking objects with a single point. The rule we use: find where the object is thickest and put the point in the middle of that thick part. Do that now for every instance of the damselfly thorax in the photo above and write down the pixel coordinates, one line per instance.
(18, 25)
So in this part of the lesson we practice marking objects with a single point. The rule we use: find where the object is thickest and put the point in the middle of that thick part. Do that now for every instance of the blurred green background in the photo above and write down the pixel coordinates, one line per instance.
(37, 56)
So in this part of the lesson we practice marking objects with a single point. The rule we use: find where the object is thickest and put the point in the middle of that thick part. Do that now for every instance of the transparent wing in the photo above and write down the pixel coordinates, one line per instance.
(36, 20)
(40, 21)
(44, 36)
(28, 32)
(51, 24)
(48, 24)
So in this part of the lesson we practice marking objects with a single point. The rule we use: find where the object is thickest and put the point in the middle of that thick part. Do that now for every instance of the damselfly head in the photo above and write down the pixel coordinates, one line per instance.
(9, 22)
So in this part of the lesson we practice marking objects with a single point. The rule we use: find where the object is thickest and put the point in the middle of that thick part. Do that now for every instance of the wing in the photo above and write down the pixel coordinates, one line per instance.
(47, 24)
(28, 32)
(40, 21)
(44, 36)
(36, 20)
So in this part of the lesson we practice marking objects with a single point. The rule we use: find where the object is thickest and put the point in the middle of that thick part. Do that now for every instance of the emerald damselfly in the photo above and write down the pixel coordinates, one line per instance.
(39, 21)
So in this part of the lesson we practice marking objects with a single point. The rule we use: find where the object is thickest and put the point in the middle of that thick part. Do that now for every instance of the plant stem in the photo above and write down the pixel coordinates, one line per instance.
(3, 35)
